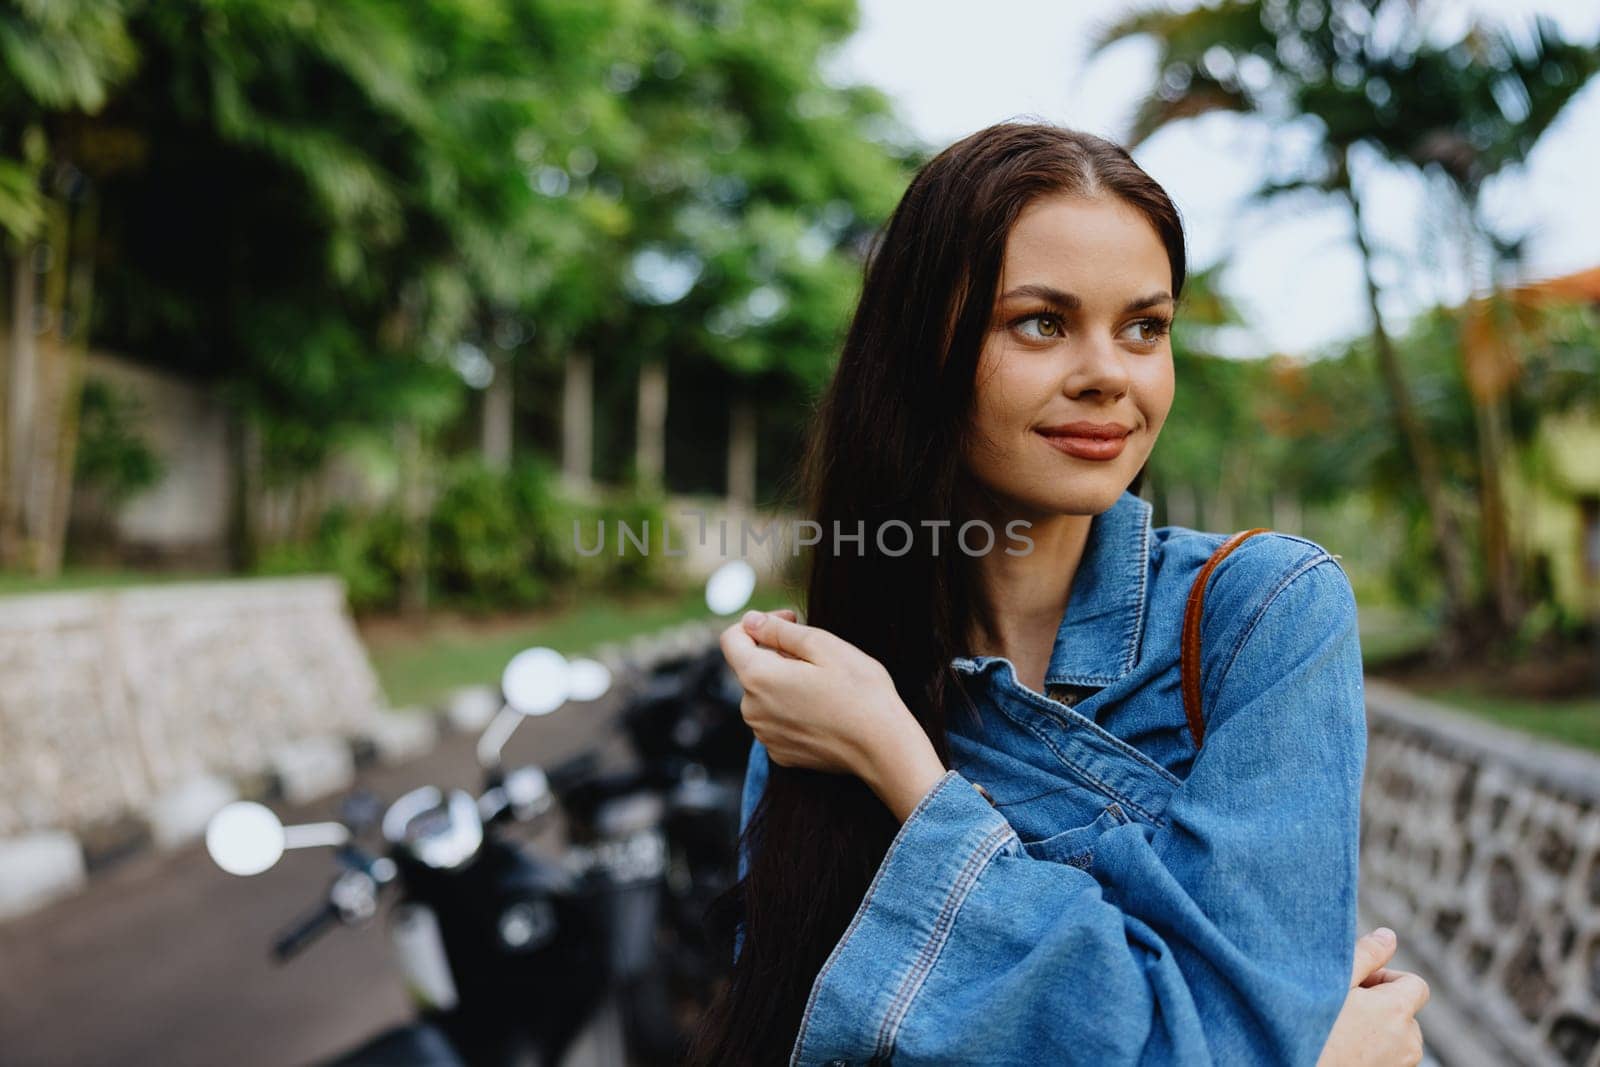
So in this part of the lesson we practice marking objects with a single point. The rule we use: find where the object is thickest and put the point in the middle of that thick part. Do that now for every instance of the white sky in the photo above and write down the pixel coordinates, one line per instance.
(954, 67)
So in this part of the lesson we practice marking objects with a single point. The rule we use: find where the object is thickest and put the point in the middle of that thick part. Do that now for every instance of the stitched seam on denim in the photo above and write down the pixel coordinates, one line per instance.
(1112, 815)
(1136, 618)
(1075, 720)
(1111, 791)
(964, 880)
(923, 966)
(1072, 720)
(1301, 568)
(816, 985)
(1052, 791)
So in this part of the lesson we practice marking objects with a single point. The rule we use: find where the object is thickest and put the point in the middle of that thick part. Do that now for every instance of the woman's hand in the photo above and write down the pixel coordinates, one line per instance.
(1377, 1027)
(816, 701)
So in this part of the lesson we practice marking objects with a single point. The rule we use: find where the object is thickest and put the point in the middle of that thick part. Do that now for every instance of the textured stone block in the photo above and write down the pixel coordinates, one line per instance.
(1481, 848)
(312, 768)
(115, 699)
(36, 868)
(470, 709)
(402, 735)
(180, 814)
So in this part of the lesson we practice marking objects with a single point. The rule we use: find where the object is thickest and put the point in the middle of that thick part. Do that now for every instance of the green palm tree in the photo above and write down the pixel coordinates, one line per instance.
(1369, 76)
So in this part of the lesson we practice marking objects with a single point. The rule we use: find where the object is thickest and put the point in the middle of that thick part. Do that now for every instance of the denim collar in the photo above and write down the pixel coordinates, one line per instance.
(1097, 642)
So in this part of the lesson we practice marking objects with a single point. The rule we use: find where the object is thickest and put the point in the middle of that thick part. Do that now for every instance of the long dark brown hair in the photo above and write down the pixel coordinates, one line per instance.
(886, 444)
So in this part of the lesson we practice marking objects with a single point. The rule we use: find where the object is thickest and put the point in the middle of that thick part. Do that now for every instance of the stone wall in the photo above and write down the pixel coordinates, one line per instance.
(1481, 847)
(111, 700)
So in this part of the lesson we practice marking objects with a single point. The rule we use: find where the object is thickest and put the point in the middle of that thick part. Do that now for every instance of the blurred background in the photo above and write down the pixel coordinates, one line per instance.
(333, 333)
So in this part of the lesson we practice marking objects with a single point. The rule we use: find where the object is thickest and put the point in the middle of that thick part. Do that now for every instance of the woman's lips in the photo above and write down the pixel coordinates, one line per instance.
(1101, 448)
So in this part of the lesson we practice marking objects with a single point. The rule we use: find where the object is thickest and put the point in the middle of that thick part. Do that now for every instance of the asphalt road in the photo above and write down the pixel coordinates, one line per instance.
(163, 959)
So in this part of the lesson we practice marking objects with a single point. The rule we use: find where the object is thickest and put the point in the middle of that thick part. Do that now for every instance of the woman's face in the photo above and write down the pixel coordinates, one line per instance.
(1075, 378)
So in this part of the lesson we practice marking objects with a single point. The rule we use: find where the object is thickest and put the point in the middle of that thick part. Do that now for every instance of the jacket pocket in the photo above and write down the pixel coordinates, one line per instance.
(1076, 846)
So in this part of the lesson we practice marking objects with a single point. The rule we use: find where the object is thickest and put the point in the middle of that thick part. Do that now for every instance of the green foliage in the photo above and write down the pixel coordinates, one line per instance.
(56, 56)
(481, 541)
(494, 541)
(62, 54)
(620, 564)
(370, 551)
(112, 458)
(315, 205)
(1560, 364)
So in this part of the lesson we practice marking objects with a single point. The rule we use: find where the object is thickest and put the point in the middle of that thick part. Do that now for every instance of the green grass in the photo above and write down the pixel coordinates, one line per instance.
(1568, 722)
(75, 580)
(422, 666)
(1389, 631)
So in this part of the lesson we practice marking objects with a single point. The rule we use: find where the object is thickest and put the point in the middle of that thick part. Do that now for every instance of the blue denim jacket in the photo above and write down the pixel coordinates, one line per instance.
(1125, 899)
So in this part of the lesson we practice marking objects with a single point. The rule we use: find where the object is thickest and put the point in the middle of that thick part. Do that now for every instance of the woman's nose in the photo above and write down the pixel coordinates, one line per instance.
(1095, 366)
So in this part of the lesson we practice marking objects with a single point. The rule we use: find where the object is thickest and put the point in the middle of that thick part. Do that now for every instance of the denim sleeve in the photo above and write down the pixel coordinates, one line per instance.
(1224, 935)
(755, 780)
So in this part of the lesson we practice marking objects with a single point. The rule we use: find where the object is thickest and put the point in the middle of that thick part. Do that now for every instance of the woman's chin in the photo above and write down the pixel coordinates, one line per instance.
(1083, 499)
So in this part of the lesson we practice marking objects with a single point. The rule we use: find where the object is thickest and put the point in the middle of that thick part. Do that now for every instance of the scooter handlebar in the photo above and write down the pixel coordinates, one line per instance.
(295, 938)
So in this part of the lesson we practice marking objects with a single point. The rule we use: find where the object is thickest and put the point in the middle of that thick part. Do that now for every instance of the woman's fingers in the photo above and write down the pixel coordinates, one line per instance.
(1373, 950)
(738, 648)
(789, 614)
(1407, 990)
(784, 635)
(1381, 976)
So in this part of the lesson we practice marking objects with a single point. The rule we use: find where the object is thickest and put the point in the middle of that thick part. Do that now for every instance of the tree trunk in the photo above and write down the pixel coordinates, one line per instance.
(497, 412)
(651, 434)
(742, 455)
(21, 378)
(1220, 508)
(1287, 514)
(51, 387)
(577, 422)
(1418, 447)
(1496, 534)
(1488, 413)
(1183, 506)
(1486, 391)
(244, 463)
(414, 503)
(72, 335)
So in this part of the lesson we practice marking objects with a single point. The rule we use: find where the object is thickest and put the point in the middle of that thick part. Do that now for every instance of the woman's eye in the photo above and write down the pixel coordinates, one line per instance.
(1148, 331)
(1048, 326)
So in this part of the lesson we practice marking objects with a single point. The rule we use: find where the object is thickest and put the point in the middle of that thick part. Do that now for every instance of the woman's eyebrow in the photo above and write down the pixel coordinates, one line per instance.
(1068, 302)
(1144, 302)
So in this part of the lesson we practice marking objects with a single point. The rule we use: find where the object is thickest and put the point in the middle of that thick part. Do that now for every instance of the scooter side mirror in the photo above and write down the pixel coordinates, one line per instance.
(245, 838)
(587, 679)
(730, 586)
(537, 681)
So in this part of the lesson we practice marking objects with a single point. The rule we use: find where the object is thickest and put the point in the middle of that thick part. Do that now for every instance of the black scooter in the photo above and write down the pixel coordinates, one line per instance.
(689, 746)
(512, 955)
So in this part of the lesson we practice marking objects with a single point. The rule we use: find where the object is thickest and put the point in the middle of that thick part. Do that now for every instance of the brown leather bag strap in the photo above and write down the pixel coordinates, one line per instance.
(1189, 654)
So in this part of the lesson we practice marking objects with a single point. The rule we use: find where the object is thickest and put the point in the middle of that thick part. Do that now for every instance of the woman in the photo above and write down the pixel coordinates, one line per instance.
(990, 607)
